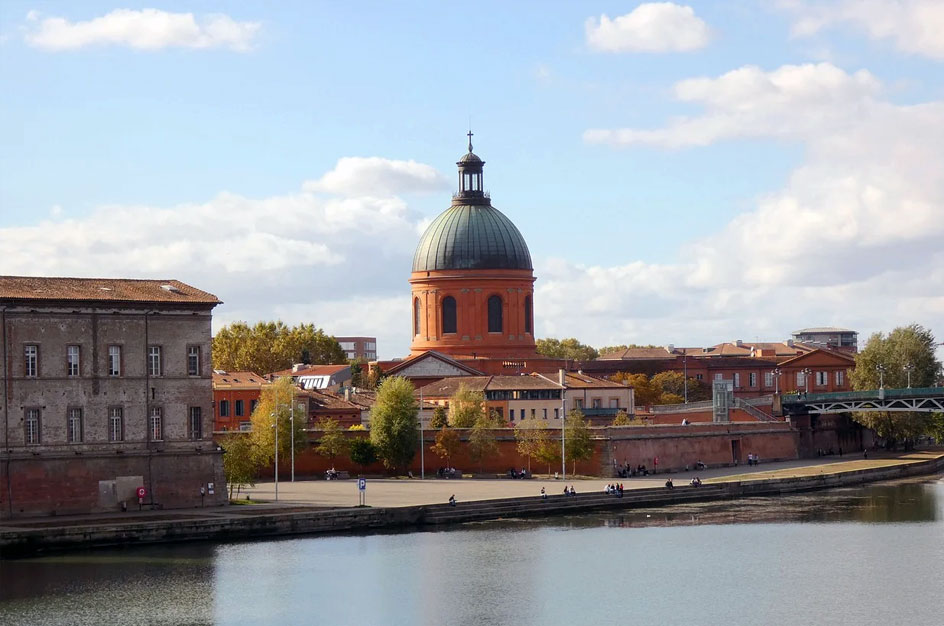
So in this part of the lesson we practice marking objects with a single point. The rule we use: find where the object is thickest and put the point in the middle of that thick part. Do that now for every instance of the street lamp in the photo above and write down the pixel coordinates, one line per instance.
(908, 368)
(291, 423)
(276, 427)
(776, 376)
(806, 378)
(881, 375)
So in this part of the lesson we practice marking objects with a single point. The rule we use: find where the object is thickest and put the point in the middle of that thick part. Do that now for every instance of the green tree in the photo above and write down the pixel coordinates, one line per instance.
(483, 442)
(565, 349)
(530, 437)
(577, 443)
(331, 442)
(548, 451)
(447, 444)
(357, 373)
(620, 348)
(272, 346)
(241, 461)
(394, 427)
(363, 452)
(887, 359)
(276, 404)
(440, 418)
(466, 407)
(621, 419)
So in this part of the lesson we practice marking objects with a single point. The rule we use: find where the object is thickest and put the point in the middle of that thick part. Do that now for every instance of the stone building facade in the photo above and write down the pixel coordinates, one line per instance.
(106, 388)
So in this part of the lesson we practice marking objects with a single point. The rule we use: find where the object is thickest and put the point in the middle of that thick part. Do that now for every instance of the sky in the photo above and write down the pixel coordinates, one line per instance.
(682, 173)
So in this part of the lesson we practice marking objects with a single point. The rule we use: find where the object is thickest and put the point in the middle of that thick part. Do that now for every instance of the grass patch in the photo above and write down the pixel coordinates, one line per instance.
(244, 501)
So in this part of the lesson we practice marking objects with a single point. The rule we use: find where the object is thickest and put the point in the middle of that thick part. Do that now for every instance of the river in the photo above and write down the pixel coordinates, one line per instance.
(864, 555)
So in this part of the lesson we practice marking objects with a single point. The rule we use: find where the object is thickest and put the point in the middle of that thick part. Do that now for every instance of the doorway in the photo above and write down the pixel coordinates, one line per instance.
(736, 450)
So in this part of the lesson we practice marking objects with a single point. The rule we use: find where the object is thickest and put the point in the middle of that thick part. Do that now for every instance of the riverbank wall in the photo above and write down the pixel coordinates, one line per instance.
(20, 542)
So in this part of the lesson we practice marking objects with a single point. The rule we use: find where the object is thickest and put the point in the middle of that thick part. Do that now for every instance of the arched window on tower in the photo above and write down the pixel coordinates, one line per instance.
(416, 316)
(527, 314)
(449, 315)
(495, 314)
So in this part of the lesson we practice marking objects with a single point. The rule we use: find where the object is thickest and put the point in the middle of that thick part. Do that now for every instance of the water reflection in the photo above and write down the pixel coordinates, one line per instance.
(834, 557)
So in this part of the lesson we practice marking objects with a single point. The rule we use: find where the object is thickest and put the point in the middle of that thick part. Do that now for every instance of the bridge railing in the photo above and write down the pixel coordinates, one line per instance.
(865, 394)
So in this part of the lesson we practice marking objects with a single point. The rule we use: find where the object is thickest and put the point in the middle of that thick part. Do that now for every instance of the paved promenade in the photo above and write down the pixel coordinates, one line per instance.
(410, 492)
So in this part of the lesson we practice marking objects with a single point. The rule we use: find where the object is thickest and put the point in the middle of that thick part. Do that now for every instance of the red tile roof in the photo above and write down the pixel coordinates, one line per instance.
(238, 380)
(39, 288)
(312, 370)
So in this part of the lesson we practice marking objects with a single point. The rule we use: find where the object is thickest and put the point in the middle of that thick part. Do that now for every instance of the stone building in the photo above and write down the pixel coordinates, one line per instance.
(106, 388)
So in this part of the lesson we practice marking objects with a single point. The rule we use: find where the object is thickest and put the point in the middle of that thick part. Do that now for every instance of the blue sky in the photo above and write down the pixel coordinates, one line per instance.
(770, 196)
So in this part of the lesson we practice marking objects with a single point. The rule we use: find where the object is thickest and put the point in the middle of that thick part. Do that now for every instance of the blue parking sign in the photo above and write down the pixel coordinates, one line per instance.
(362, 484)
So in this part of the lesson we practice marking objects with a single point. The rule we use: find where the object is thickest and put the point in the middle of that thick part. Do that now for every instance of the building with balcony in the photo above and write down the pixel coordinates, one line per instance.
(359, 348)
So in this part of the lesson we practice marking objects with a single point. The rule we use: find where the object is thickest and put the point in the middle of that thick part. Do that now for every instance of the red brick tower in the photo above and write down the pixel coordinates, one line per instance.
(472, 280)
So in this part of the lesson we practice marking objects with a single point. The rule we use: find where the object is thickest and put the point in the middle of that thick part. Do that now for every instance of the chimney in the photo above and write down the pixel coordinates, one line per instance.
(347, 394)
(738, 343)
(297, 366)
(789, 343)
(560, 377)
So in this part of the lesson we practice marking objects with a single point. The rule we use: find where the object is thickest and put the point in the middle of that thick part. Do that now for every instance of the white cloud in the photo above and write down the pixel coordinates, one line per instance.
(340, 261)
(147, 29)
(915, 26)
(375, 176)
(789, 102)
(852, 239)
(650, 27)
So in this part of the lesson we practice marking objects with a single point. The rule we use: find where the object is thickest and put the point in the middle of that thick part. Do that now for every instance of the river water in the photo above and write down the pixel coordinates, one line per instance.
(869, 555)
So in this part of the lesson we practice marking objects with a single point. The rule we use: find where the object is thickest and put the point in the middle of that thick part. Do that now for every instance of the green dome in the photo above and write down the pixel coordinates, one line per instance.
(471, 237)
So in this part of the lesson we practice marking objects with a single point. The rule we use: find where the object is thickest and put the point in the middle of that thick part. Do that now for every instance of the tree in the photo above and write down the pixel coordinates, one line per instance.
(670, 398)
(645, 393)
(673, 386)
(482, 440)
(565, 349)
(447, 444)
(393, 422)
(892, 354)
(621, 348)
(531, 436)
(332, 442)
(272, 346)
(621, 419)
(548, 451)
(240, 461)
(440, 419)
(466, 407)
(374, 377)
(363, 452)
(357, 373)
(577, 443)
(276, 406)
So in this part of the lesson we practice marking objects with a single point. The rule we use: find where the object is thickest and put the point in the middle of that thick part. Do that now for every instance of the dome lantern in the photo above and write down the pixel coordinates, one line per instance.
(471, 190)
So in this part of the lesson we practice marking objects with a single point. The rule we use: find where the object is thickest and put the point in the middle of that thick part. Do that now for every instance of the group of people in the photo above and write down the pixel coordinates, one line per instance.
(626, 471)
(615, 489)
(753, 460)
(332, 474)
(447, 472)
(523, 473)
(696, 482)
(570, 491)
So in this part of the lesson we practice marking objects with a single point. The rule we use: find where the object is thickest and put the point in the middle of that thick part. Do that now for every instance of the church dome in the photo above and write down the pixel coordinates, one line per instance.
(471, 237)
(471, 234)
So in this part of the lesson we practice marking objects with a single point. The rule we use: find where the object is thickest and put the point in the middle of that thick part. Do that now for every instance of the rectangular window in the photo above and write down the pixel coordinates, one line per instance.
(193, 360)
(839, 379)
(75, 426)
(196, 423)
(252, 406)
(31, 427)
(578, 403)
(157, 424)
(801, 379)
(822, 379)
(534, 413)
(511, 415)
(154, 360)
(719, 376)
(72, 360)
(556, 413)
(31, 360)
(114, 360)
(545, 413)
(224, 408)
(238, 408)
(768, 379)
(752, 379)
(737, 379)
(116, 424)
(596, 403)
(245, 426)
(698, 376)
(614, 403)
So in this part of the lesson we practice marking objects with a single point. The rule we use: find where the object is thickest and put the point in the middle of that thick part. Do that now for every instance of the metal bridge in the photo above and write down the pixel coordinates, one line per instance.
(925, 399)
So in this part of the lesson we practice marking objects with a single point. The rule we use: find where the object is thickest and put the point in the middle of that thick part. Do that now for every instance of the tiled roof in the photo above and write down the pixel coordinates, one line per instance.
(238, 380)
(824, 329)
(39, 288)
(429, 354)
(325, 400)
(447, 387)
(312, 370)
(580, 380)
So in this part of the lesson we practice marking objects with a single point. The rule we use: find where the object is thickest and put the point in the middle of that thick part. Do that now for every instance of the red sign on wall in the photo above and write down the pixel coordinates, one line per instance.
(142, 492)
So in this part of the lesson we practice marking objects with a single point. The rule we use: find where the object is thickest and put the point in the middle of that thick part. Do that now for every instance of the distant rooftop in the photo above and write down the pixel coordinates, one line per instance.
(44, 288)
(823, 329)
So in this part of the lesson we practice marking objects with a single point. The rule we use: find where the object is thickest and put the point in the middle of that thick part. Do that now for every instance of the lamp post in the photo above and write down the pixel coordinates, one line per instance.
(422, 452)
(775, 373)
(563, 423)
(685, 374)
(806, 378)
(908, 368)
(291, 422)
(881, 375)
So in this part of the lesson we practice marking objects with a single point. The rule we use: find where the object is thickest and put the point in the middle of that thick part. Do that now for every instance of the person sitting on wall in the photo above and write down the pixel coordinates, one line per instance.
(668, 484)
(606, 490)
(700, 465)
(696, 482)
(573, 492)
(452, 500)
(543, 494)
